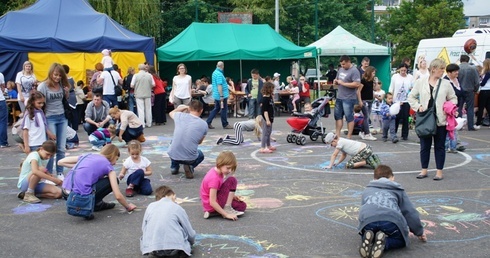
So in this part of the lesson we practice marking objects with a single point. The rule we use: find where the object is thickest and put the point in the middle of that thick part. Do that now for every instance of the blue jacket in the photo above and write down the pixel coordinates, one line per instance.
(385, 200)
(385, 111)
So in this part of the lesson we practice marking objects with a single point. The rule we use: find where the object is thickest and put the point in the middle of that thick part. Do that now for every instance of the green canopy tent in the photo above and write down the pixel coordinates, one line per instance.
(241, 46)
(341, 42)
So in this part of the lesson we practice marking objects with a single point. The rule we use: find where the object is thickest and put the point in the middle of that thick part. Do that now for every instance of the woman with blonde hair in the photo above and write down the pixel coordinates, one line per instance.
(433, 92)
(95, 172)
(26, 82)
(130, 127)
(181, 87)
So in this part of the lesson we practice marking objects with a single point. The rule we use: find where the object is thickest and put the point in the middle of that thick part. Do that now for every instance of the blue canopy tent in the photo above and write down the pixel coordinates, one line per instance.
(69, 32)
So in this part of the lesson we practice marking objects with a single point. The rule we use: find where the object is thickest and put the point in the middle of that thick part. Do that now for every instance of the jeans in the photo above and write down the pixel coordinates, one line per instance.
(253, 108)
(102, 189)
(451, 144)
(175, 164)
(394, 237)
(131, 133)
(389, 125)
(403, 117)
(217, 108)
(344, 107)
(132, 103)
(439, 150)
(90, 128)
(141, 184)
(111, 99)
(3, 122)
(469, 99)
(57, 124)
(366, 111)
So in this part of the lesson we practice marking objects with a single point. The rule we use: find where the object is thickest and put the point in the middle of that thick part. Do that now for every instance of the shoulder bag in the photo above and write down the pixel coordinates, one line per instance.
(80, 205)
(426, 121)
(117, 88)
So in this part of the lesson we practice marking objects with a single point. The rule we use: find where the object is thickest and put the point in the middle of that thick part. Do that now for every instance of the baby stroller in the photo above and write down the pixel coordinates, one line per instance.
(306, 123)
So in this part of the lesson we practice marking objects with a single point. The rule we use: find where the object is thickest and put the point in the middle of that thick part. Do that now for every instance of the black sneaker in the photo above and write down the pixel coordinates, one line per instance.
(21, 195)
(174, 171)
(367, 243)
(91, 217)
(189, 171)
(219, 141)
(378, 245)
(104, 206)
(64, 194)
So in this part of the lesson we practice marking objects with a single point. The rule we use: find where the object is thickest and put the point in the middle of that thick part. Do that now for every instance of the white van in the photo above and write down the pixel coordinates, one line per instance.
(450, 49)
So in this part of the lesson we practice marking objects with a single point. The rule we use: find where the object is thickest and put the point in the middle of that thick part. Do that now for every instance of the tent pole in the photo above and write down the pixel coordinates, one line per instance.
(241, 72)
(318, 76)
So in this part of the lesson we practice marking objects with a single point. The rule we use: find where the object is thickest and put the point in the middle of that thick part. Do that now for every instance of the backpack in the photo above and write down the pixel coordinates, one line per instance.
(96, 88)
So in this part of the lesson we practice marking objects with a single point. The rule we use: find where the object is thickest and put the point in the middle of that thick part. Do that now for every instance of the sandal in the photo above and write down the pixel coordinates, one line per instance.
(422, 176)
(265, 151)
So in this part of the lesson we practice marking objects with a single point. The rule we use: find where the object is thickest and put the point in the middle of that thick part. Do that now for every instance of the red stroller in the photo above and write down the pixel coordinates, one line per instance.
(306, 124)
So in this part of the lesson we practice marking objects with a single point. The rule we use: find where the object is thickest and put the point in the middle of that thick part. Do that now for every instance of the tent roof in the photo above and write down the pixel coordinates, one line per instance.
(229, 41)
(66, 26)
(341, 42)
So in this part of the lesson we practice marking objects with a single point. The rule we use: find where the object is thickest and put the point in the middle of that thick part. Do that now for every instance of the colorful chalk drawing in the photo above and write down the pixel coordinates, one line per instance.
(26, 208)
(240, 246)
(445, 218)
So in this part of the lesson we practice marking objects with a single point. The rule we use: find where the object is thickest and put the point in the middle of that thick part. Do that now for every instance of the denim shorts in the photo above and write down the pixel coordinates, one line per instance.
(344, 107)
(25, 184)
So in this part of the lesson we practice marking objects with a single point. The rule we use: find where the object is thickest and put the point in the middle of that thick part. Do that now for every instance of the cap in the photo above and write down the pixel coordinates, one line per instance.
(329, 138)
(106, 52)
(277, 75)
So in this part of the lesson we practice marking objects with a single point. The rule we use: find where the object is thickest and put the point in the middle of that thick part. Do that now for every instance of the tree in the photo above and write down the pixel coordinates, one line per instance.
(417, 20)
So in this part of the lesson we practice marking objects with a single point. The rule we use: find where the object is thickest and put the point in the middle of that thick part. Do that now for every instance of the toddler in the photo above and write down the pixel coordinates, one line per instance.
(361, 153)
(294, 89)
(102, 136)
(107, 60)
(388, 119)
(386, 215)
(218, 189)
(137, 169)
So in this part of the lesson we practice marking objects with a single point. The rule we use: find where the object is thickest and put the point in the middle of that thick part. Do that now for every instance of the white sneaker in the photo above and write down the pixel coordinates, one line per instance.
(61, 177)
(230, 210)
(361, 134)
(95, 148)
(477, 127)
(369, 137)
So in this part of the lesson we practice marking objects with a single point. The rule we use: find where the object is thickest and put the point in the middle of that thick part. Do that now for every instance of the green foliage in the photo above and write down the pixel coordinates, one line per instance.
(414, 21)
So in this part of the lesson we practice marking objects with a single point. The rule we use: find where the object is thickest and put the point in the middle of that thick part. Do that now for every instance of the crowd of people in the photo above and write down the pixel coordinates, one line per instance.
(46, 107)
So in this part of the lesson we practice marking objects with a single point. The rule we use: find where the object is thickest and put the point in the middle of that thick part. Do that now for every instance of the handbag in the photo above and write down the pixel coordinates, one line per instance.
(67, 108)
(426, 121)
(80, 205)
(117, 88)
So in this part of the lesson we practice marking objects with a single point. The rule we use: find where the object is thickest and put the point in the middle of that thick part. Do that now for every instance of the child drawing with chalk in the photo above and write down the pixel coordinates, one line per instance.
(136, 169)
(361, 152)
(218, 189)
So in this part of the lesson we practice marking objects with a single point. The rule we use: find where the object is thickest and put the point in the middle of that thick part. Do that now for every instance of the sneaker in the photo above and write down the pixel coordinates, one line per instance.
(477, 127)
(367, 243)
(129, 192)
(395, 140)
(64, 194)
(174, 171)
(189, 171)
(228, 127)
(21, 195)
(70, 145)
(210, 126)
(31, 198)
(227, 136)
(385, 139)
(219, 141)
(104, 206)
(4, 145)
(208, 214)
(369, 137)
(378, 245)
(230, 210)
(361, 134)
(95, 148)
(461, 148)
(61, 177)
(141, 138)
(90, 217)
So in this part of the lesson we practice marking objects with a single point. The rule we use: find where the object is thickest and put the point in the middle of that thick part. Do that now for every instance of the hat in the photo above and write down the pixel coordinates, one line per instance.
(329, 138)
(276, 75)
(106, 52)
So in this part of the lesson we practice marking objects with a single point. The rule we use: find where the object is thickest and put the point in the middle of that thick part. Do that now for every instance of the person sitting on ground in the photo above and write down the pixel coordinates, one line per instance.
(240, 126)
(189, 132)
(218, 189)
(129, 127)
(96, 114)
(386, 215)
(167, 230)
(33, 170)
(102, 136)
(361, 152)
(95, 171)
(136, 169)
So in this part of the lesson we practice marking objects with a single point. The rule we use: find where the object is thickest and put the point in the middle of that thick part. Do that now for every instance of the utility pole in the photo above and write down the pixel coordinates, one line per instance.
(277, 16)
(316, 20)
(372, 21)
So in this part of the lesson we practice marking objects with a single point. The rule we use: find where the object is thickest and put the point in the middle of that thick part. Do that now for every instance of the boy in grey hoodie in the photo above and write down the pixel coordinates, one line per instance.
(386, 215)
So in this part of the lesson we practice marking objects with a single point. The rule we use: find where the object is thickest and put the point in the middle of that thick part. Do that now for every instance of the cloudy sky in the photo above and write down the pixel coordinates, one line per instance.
(476, 7)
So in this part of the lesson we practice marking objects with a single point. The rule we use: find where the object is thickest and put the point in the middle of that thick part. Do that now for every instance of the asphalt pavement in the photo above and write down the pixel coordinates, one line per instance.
(295, 208)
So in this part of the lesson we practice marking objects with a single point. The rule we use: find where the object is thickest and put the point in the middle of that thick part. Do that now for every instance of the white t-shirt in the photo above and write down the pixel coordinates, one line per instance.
(37, 135)
(107, 62)
(2, 81)
(108, 83)
(131, 166)
(182, 86)
(26, 82)
(348, 146)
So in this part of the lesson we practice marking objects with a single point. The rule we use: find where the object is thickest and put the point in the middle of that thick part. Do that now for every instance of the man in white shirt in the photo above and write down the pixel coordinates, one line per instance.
(109, 81)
